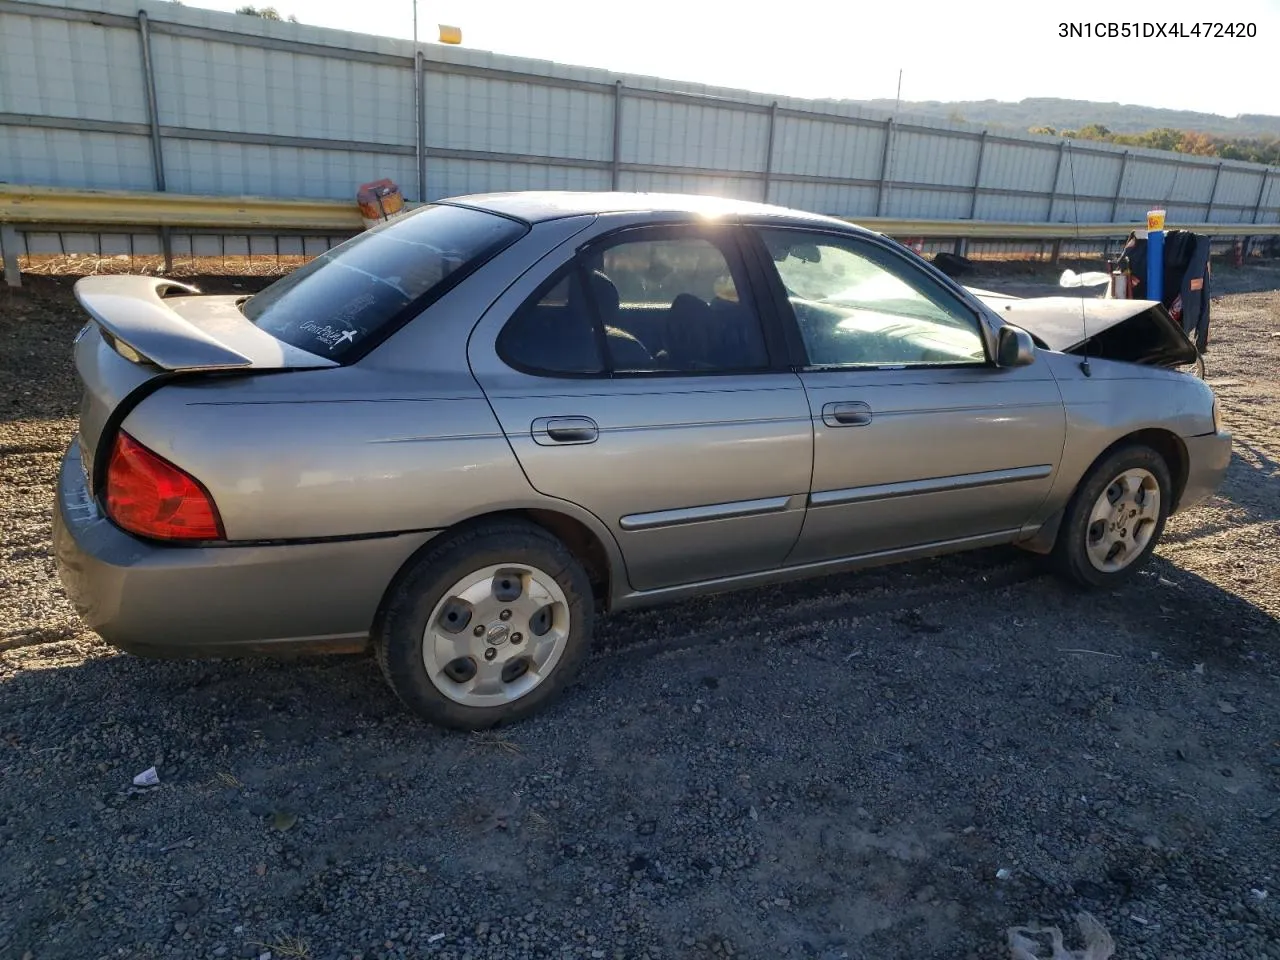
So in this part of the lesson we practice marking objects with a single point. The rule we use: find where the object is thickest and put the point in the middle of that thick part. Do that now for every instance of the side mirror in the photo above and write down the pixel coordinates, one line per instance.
(1014, 348)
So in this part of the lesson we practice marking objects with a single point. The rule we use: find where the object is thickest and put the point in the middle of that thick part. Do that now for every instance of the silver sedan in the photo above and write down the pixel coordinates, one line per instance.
(460, 436)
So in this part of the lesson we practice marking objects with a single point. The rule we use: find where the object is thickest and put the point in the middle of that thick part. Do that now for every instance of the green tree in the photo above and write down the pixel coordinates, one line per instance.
(1165, 138)
(1264, 149)
(266, 13)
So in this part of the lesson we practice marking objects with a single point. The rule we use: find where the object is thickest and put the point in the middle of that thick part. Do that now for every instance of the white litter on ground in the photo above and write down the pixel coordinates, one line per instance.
(1029, 943)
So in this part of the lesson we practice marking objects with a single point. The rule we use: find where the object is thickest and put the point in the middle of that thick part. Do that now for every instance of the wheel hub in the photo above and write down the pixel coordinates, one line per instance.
(497, 634)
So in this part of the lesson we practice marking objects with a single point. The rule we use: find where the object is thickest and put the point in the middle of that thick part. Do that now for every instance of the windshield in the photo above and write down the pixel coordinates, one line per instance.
(335, 304)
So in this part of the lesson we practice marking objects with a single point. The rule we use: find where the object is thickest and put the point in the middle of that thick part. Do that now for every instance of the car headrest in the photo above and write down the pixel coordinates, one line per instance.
(689, 329)
(605, 295)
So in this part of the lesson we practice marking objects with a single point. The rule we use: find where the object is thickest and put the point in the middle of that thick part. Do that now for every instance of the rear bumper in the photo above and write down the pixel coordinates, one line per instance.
(176, 601)
(1207, 460)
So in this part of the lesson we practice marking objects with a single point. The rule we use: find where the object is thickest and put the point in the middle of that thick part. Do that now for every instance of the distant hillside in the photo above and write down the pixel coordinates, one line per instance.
(1073, 114)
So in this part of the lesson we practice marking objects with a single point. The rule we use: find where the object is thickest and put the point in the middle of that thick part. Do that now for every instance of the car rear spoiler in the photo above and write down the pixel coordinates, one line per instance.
(131, 311)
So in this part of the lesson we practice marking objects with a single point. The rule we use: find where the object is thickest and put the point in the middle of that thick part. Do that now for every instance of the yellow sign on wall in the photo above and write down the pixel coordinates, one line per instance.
(450, 34)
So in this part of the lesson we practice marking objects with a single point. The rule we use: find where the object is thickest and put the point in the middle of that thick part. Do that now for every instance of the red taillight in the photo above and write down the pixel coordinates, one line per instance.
(149, 496)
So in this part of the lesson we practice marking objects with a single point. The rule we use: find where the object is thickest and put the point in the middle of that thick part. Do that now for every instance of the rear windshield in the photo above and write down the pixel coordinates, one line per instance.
(357, 291)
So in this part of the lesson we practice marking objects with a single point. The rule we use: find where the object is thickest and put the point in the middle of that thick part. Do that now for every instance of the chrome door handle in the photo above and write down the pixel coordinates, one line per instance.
(851, 413)
(562, 431)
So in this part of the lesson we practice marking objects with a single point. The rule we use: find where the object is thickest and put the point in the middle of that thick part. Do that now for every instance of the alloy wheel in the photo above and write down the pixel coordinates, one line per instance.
(496, 634)
(1123, 520)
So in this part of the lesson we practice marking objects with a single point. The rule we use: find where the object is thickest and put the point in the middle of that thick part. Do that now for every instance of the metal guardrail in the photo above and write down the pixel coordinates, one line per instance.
(30, 208)
(47, 205)
(1013, 230)
(54, 205)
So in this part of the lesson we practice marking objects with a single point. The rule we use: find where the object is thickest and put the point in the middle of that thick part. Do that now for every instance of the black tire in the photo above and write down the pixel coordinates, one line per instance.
(398, 635)
(1070, 555)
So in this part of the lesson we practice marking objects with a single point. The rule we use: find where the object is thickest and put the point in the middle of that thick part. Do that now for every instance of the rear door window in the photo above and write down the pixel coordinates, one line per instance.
(666, 301)
(676, 304)
(355, 294)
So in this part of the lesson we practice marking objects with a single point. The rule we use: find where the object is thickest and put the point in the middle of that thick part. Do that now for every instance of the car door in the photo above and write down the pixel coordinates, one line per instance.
(638, 381)
(919, 438)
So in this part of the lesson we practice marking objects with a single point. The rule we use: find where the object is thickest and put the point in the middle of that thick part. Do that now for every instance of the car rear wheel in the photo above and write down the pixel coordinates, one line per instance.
(1115, 518)
(486, 627)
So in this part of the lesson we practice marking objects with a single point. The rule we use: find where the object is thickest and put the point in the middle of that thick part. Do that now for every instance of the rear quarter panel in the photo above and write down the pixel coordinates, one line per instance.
(333, 452)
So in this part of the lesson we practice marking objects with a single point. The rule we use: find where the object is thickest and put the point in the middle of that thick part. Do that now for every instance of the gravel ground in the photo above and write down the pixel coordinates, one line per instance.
(901, 763)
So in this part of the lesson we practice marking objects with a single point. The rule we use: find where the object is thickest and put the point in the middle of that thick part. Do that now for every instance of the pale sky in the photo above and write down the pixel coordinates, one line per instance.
(948, 49)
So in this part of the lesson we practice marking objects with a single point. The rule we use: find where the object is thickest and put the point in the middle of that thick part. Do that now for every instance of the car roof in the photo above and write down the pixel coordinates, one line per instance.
(535, 206)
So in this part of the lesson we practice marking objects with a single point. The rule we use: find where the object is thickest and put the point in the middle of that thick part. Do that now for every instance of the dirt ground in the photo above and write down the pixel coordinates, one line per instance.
(902, 763)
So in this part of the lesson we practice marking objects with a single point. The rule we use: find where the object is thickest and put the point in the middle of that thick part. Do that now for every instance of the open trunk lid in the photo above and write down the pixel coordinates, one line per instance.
(138, 338)
(1135, 331)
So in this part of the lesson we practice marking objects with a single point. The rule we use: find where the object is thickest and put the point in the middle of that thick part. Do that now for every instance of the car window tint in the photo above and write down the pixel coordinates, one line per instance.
(553, 332)
(675, 305)
(333, 305)
(859, 306)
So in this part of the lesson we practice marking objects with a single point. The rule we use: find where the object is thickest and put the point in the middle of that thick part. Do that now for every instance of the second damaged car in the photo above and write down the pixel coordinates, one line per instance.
(460, 436)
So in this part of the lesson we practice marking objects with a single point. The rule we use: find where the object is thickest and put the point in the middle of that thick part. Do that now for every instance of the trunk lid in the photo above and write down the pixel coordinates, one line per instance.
(138, 339)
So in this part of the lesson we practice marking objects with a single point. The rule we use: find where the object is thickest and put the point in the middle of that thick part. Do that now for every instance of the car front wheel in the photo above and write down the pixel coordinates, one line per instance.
(486, 627)
(1115, 519)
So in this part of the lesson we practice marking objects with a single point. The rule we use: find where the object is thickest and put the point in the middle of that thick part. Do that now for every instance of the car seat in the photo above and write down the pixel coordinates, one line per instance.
(625, 349)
